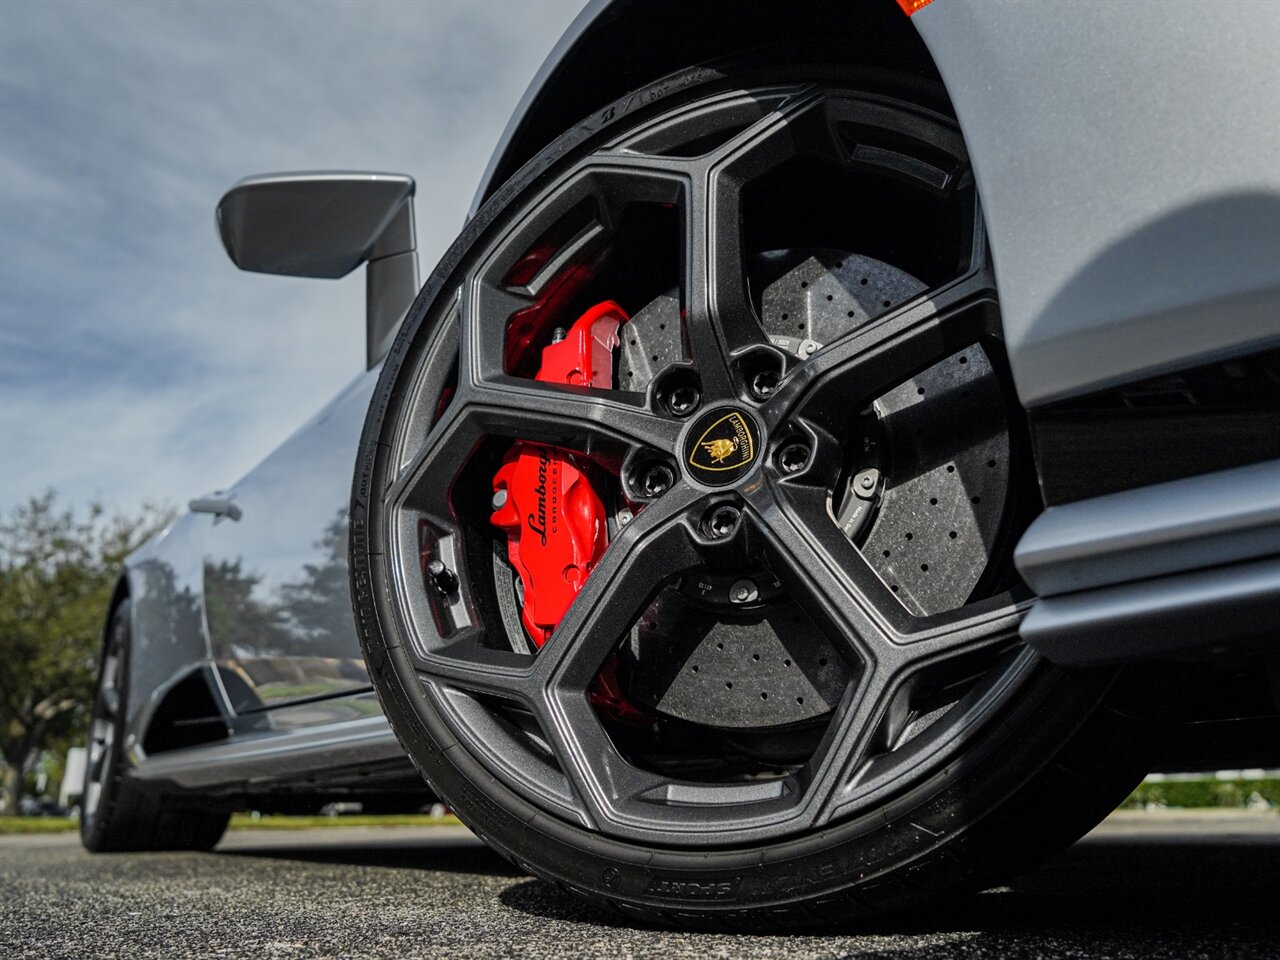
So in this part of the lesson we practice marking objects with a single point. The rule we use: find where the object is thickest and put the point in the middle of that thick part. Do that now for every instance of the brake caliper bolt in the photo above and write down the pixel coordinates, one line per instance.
(499, 499)
(764, 383)
(721, 521)
(683, 400)
(793, 457)
(744, 591)
(657, 480)
(444, 579)
(864, 484)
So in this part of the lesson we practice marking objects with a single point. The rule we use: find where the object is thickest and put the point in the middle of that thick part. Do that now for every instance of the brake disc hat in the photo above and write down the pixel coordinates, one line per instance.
(933, 723)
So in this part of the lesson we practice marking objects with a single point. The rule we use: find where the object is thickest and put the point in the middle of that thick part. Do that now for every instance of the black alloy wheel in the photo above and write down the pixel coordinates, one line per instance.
(793, 679)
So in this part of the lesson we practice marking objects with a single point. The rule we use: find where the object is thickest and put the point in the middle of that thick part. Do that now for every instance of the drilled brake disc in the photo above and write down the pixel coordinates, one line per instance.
(940, 459)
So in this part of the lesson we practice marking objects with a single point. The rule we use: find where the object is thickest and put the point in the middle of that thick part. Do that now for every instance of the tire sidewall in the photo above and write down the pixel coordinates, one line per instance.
(93, 829)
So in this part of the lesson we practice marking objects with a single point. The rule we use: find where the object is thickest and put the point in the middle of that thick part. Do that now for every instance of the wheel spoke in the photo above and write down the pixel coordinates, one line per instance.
(870, 360)
(541, 413)
(970, 629)
(827, 577)
(571, 418)
(863, 731)
(721, 318)
(851, 738)
(466, 664)
(826, 574)
(426, 479)
(505, 312)
(645, 555)
(649, 551)
(821, 569)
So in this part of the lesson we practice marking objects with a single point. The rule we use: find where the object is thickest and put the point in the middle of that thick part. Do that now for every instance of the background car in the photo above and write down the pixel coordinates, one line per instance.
(799, 491)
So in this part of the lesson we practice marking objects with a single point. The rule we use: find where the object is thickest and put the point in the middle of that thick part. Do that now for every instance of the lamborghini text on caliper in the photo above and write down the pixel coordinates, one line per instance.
(554, 520)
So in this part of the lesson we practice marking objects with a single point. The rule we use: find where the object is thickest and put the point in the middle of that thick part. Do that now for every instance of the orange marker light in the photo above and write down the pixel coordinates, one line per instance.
(911, 6)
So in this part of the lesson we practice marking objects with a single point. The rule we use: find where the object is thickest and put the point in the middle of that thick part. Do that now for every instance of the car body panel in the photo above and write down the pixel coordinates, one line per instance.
(1135, 228)
(165, 584)
(1202, 521)
(261, 604)
(289, 753)
(276, 587)
(1197, 613)
(1128, 160)
(1186, 567)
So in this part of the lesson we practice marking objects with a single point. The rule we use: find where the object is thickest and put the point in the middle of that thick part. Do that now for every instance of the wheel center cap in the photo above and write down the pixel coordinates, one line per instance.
(722, 445)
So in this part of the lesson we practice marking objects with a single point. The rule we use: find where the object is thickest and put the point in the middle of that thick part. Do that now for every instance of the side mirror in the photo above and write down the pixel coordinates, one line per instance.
(326, 225)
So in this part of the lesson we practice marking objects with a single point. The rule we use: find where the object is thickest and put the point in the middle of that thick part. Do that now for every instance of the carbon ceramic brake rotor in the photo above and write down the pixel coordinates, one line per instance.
(759, 668)
(944, 482)
(929, 524)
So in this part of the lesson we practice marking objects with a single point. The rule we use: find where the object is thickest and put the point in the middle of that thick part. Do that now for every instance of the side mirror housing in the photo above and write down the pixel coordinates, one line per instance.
(326, 225)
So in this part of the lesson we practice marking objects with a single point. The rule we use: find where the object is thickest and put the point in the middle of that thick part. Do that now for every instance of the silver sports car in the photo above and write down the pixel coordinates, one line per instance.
(838, 458)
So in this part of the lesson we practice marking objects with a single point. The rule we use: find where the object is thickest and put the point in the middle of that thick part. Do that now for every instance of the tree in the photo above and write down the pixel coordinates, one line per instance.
(57, 573)
(240, 620)
(319, 603)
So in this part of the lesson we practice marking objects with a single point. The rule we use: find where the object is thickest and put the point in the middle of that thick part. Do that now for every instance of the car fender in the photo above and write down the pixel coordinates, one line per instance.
(165, 583)
(1125, 154)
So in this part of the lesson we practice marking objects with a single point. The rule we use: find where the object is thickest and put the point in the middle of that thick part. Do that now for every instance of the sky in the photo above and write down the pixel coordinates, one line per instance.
(136, 363)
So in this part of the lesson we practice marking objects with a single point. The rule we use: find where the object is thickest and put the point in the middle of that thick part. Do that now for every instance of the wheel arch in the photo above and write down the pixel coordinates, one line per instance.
(1182, 191)
(616, 46)
(119, 594)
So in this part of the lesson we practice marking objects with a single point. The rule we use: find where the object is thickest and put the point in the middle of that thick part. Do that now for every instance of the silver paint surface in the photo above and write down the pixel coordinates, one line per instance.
(1128, 160)
(276, 584)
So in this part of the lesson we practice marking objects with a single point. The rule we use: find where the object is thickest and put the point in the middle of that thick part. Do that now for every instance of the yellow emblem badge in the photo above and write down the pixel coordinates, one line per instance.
(722, 447)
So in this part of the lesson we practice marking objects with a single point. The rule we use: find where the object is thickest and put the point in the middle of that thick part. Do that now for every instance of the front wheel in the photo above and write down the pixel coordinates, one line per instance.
(683, 519)
(116, 813)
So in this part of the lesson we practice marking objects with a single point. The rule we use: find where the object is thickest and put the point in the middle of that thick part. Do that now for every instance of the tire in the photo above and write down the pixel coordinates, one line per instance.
(118, 814)
(1040, 767)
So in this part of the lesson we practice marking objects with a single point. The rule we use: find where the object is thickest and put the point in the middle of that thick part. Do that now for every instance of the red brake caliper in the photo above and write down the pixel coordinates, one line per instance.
(555, 522)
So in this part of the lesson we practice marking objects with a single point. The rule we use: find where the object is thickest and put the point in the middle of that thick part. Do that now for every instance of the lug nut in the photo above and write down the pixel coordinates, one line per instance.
(793, 457)
(444, 579)
(683, 400)
(764, 383)
(656, 480)
(721, 521)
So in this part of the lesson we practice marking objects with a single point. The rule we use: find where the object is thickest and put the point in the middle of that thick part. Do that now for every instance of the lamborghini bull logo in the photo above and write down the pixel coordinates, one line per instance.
(721, 447)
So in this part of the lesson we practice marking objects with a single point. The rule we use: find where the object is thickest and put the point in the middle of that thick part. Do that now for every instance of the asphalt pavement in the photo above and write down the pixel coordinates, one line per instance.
(1176, 885)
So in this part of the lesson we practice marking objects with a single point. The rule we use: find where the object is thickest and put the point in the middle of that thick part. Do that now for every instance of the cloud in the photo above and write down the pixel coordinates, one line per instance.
(136, 363)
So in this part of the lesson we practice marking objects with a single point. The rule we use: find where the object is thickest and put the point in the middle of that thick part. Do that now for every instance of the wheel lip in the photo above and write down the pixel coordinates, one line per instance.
(390, 533)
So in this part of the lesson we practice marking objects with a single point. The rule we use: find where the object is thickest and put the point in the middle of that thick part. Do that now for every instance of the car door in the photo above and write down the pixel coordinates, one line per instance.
(276, 591)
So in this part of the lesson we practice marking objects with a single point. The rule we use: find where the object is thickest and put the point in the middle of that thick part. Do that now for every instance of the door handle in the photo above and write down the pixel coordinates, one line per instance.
(218, 506)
